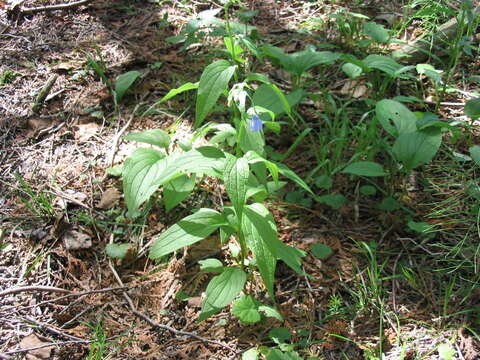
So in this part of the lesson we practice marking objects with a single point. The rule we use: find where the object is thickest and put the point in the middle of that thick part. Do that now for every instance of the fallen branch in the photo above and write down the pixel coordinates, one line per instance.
(420, 49)
(156, 325)
(32, 288)
(34, 10)
(42, 95)
(73, 294)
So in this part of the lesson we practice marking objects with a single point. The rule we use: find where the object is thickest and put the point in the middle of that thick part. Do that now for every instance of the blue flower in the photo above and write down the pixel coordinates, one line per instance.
(256, 124)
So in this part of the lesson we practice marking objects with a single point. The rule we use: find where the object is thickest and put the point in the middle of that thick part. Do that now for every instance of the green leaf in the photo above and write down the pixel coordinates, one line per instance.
(115, 170)
(395, 117)
(472, 108)
(365, 168)
(430, 71)
(276, 354)
(351, 70)
(251, 354)
(263, 222)
(254, 235)
(246, 309)
(376, 31)
(285, 171)
(324, 182)
(416, 148)
(187, 231)
(475, 154)
(446, 351)
(140, 172)
(174, 92)
(273, 99)
(383, 63)
(304, 60)
(177, 190)
(420, 227)
(301, 61)
(221, 291)
(211, 265)
(335, 201)
(213, 83)
(156, 137)
(270, 312)
(389, 204)
(321, 251)
(147, 169)
(368, 190)
(280, 335)
(123, 83)
(235, 177)
(117, 251)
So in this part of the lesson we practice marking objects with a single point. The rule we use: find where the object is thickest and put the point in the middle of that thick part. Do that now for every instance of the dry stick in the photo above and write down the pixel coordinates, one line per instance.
(113, 150)
(32, 288)
(79, 294)
(42, 95)
(53, 330)
(27, 11)
(154, 324)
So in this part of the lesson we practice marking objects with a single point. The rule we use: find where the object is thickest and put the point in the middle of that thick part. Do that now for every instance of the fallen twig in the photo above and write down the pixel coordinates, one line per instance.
(42, 95)
(34, 10)
(113, 150)
(32, 288)
(53, 330)
(73, 294)
(156, 325)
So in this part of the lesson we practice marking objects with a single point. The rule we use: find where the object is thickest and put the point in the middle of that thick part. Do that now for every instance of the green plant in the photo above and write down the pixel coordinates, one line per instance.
(117, 88)
(250, 223)
(7, 76)
(39, 202)
(100, 346)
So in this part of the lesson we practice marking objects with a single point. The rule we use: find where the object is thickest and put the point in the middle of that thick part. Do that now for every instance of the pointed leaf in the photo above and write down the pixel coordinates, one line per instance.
(395, 117)
(264, 223)
(211, 265)
(416, 148)
(221, 291)
(147, 169)
(235, 176)
(376, 31)
(382, 63)
(187, 231)
(156, 137)
(174, 92)
(123, 83)
(213, 83)
(270, 312)
(256, 241)
(365, 168)
(304, 60)
(475, 154)
(140, 172)
(177, 190)
(472, 108)
(285, 171)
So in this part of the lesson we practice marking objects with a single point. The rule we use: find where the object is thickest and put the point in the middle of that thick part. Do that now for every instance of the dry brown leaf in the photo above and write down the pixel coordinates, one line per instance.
(36, 125)
(354, 89)
(75, 240)
(66, 66)
(86, 131)
(33, 341)
(109, 198)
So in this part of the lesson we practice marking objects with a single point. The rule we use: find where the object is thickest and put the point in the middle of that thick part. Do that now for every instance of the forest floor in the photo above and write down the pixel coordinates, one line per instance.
(386, 292)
